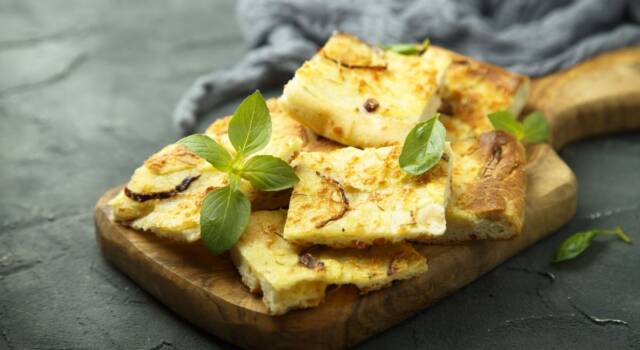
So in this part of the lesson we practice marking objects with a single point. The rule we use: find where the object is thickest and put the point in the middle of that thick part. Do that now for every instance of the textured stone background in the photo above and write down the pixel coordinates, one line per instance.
(86, 91)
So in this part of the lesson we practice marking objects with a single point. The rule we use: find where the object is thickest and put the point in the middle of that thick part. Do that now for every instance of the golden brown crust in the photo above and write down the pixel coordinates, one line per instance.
(488, 178)
(291, 277)
(502, 178)
(160, 201)
(488, 188)
(363, 96)
(473, 89)
(322, 144)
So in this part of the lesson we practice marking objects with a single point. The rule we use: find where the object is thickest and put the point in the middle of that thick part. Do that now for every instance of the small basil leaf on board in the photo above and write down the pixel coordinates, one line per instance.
(205, 147)
(423, 147)
(425, 44)
(268, 173)
(535, 128)
(223, 218)
(250, 126)
(506, 121)
(404, 49)
(409, 49)
(574, 245)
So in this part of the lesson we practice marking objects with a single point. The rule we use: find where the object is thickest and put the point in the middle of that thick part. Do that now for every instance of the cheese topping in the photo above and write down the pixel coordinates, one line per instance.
(335, 92)
(178, 216)
(291, 276)
(353, 197)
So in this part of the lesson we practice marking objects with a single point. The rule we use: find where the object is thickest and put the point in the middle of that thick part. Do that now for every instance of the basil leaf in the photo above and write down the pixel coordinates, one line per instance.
(207, 148)
(409, 49)
(535, 128)
(579, 242)
(250, 126)
(268, 173)
(574, 245)
(223, 218)
(506, 121)
(423, 147)
(404, 49)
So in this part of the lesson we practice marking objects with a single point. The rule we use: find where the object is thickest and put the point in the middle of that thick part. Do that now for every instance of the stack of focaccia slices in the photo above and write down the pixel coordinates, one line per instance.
(354, 215)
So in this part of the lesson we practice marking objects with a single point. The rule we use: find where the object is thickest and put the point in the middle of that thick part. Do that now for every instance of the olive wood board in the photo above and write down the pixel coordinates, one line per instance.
(599, 96)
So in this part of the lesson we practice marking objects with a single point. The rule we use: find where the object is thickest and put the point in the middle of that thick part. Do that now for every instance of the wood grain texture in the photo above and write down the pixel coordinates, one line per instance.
(598, 97)
(207, 291)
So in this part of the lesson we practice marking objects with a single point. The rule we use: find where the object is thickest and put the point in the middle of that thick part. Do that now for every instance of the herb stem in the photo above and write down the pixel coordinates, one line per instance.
(623, 236)
(616, 232)
(234, 181)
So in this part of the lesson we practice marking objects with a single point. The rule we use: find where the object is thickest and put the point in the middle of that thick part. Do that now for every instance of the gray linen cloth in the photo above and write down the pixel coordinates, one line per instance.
(533, 37)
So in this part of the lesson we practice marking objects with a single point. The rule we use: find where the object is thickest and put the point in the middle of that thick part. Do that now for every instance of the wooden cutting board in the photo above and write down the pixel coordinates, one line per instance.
(596, 97)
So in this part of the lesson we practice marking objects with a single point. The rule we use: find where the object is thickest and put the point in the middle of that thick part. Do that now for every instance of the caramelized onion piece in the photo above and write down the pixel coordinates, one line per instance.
(355, 66)
(496, 155)
(307, 260)
(370, 105)
(143, 197)
(343, 196)
(393, 265)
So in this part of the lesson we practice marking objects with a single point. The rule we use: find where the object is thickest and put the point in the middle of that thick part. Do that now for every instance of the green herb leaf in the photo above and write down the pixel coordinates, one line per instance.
(506, 121)
(408, 49)
(404, 49)
(536, 128)
(580, 241)
(250, 126)
(623, 236)
(223, 218)
(574, 245)
(205, 147)
(268, 173)
(423, 147)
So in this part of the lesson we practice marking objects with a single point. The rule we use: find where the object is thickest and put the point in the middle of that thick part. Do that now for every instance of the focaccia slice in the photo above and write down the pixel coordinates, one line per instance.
(488, 188)
(292, 277)
(472, 89)
(362, 96)
(352, 198)
(488, 179)
(164, 195)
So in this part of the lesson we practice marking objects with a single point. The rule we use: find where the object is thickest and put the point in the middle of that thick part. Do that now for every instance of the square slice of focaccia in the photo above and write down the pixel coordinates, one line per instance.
(352, 198)
(293, 277)
(488, 187)
(164, 195)
(488, 178)
(363, 96)
(473, 89)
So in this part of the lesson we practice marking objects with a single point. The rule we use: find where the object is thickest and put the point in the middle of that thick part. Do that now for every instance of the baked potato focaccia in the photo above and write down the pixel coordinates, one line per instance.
(352, 198)
(488, 188)
(363, 96)
(293, 277)
(164, 195)
(488, 179)
(473, 89)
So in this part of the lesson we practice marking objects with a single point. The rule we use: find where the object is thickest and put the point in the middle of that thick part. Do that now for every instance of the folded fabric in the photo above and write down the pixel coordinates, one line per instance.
(533, 37)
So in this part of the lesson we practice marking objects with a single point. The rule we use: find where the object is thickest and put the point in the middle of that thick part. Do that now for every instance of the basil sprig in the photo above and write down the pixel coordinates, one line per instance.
(225, 212)
(580, 241)
(423, 147)
(408, 49)
(533, 129)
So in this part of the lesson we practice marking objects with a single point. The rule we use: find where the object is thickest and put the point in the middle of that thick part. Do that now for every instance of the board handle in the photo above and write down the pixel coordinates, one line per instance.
(599, 96)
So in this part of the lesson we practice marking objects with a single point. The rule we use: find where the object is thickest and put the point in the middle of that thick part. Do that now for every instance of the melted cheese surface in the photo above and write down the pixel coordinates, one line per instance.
(329, 92)
(178, 217)
(271, 265)
(353, 197)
